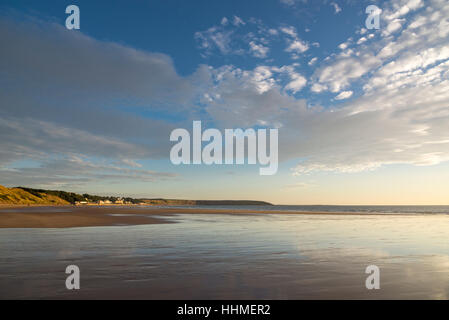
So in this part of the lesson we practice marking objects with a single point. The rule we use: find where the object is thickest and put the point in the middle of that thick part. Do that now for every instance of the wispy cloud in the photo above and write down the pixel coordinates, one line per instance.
(336, 7)
(344, 95)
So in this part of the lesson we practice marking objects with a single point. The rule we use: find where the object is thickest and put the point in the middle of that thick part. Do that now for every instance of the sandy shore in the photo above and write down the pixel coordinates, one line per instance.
(229, 254)
(70, 216)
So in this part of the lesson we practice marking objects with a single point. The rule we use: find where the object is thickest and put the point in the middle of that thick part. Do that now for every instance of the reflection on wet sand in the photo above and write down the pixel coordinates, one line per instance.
(208, 256)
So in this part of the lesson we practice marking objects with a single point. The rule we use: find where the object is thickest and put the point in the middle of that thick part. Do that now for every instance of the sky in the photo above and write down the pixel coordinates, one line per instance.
(362, 115)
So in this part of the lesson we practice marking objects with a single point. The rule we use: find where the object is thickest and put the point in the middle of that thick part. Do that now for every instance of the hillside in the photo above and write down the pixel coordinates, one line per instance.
(30, 196)
(19, 196)
(179, 202)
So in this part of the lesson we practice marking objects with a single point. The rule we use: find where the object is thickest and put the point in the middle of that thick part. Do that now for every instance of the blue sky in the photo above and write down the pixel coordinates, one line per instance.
(91, 110)
(169, 26)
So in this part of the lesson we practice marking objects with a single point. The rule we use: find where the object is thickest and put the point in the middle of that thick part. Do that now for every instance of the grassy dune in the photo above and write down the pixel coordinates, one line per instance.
(21, 197)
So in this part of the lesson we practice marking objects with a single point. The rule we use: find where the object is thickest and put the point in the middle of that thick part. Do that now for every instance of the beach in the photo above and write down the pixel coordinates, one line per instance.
(71, 217)
(210, 253)
(95, 216)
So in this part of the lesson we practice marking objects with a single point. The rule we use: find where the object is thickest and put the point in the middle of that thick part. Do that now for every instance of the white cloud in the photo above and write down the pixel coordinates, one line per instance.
(393, 26)
(297, 83)
(238, 21)
(361, 40)
(297, 46)
(258, 50)
(254, 39)
(215, 38)
(312, 61)
(400, 11)
(362, 31)
(405, 94)
(339, 75)
(423, 33)
(336, 7)
(344, 95)
(317, 88)
(291, 31)
(343, 45)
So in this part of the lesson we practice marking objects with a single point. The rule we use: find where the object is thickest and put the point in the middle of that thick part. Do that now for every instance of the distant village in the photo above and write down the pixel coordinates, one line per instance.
(119, 201)
(94, 200)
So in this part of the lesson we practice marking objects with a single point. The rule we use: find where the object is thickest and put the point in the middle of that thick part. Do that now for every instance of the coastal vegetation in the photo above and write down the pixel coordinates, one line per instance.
(18, 196)
(31, 196)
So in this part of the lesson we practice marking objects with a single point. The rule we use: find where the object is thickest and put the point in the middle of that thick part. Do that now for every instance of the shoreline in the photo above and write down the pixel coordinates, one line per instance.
(102, 216)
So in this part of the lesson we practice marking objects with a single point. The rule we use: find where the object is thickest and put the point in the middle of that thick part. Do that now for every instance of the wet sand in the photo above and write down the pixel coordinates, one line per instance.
(231, 256)
(72, 217)
(96, 216)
